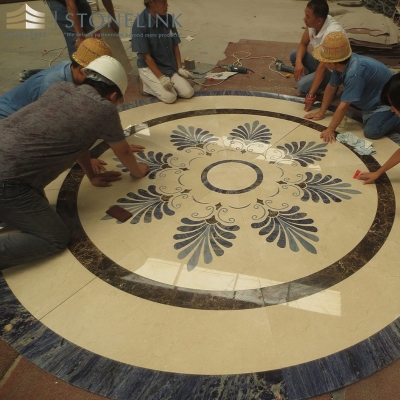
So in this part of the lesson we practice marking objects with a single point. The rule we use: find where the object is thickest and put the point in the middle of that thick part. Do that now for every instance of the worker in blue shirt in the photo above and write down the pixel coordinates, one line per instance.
(363, 79)
(156, 40)
(69, 71)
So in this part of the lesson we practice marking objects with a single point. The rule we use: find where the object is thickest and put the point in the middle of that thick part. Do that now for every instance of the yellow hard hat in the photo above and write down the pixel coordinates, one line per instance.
(89, 50)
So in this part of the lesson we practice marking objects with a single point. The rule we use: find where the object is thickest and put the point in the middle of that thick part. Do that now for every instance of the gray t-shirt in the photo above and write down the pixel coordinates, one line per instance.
(43, 139)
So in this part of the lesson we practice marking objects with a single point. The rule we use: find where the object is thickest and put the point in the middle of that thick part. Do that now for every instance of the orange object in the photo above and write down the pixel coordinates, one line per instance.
(356, 174)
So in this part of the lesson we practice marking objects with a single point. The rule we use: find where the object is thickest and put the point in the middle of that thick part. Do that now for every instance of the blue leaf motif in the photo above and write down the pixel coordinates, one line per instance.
(155, 161)
(325, 188)
(191, 137)
(199, 237)
(288, 227)
(305, 153)
(253, 133)
(147, 204)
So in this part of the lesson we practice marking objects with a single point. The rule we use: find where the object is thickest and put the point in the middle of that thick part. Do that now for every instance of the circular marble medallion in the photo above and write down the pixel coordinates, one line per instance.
(253, 262)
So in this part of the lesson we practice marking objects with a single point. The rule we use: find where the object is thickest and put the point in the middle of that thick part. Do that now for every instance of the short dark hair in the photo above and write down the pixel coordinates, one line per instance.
(74, 64)
(344, 61)
(102, 88)
(390, 95)
(320, 8)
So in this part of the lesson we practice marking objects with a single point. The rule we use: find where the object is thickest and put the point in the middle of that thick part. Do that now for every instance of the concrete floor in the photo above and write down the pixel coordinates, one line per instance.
(212, 24)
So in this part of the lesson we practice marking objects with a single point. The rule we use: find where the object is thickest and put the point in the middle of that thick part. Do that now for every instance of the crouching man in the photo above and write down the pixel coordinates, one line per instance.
(43, 139)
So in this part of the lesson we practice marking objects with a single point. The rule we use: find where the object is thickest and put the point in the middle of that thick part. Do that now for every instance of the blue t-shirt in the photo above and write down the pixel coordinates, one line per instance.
(157, 37)
(363, 81)
(33, 88)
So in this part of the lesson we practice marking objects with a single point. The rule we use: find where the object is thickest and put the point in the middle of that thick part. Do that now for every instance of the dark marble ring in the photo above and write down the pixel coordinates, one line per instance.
(109, 271)
(208, 185)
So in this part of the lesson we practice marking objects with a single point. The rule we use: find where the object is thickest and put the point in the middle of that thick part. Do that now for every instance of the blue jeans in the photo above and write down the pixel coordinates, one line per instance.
(379, 122)
(60, 13)
(42, 231)
(311, 64)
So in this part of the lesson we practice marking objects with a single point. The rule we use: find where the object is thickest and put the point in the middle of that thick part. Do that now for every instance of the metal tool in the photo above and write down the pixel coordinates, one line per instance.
(280, 66)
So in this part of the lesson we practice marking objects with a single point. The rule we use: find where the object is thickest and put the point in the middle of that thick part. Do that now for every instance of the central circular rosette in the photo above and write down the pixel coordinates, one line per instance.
(232, 176)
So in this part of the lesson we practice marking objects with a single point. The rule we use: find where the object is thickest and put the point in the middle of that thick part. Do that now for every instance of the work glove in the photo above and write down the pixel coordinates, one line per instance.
(166, 82)
(185, 74)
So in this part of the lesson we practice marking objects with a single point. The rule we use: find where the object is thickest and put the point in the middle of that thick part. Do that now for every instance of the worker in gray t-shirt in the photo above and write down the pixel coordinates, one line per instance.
(42, 140)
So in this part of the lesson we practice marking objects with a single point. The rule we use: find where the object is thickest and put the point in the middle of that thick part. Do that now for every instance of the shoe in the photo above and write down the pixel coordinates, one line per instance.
(27, 73)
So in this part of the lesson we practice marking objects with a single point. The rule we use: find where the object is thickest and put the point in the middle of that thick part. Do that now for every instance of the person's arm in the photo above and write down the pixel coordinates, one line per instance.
(149, 60)
(103, 179)
(72, 10)
(318, 78)
(328, 135)
(182, 72)
(123, 151)
(329, 94)
(370, 177)
(165, 80)
(108, 5)
(300, 53)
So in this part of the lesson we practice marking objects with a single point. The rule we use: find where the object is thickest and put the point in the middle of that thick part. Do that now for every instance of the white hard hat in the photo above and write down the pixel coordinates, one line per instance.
(108, 70)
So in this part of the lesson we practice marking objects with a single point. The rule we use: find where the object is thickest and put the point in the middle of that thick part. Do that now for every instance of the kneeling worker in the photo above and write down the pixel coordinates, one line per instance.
(43, 139)
(156, 40)
(363, 79)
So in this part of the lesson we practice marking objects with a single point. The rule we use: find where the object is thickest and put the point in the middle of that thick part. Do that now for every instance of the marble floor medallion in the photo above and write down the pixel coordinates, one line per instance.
(253, 261)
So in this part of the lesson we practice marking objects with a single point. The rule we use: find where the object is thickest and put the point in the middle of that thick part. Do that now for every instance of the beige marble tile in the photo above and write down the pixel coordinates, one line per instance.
(146, 334)
(245, 282)
(355, 309)
(160, 270)
(43, 285)
(274, 128)
(206, 279)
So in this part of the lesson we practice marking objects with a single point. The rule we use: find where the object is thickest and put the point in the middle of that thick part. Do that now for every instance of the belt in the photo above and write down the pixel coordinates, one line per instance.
(8, 184)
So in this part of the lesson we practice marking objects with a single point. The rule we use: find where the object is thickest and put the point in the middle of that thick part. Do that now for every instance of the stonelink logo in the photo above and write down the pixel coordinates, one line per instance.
(25, 18)
(98, 20)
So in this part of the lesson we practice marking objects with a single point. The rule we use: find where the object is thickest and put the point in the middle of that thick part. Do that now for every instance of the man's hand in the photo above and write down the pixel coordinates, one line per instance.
(98, 165)
(144, 170)
(185, 74)
(369, 177)
(136, 148)
(315, 116)
(298, 72)
(328, 136)
(308, 102)
(105, 179)
(166, 82)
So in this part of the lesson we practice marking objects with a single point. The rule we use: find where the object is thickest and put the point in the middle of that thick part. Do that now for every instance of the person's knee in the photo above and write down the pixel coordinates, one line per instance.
(167, 97)
(59, 241)
(303, 86)
(371, 132)
(187, 93)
